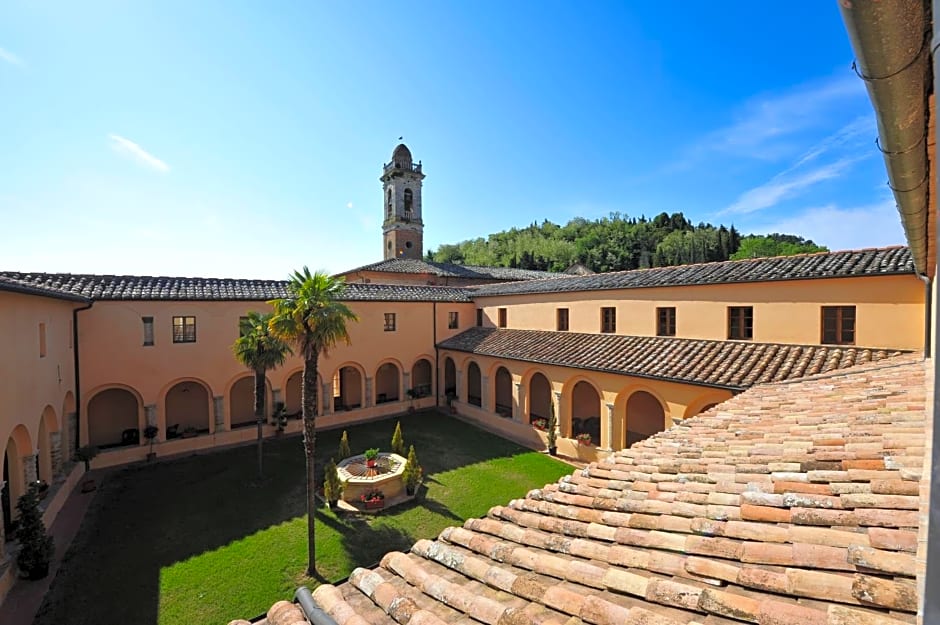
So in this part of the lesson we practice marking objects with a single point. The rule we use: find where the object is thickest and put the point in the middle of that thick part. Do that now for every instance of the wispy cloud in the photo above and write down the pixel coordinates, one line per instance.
(128, 148)
(840, 228)
(786, 185)
(9, 57)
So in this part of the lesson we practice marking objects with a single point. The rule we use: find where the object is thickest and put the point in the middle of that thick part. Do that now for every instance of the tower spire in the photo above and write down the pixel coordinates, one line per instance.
(402, 228)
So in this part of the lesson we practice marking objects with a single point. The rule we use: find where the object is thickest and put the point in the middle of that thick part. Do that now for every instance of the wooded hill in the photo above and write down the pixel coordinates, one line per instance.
(616, 243)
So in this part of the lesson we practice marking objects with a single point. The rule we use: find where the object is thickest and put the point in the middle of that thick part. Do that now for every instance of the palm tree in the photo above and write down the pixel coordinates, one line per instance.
(313, 318)
(259, 349)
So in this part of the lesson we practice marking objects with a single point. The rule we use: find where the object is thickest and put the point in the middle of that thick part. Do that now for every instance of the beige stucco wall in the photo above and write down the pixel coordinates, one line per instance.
(677, 400)
(36, 393)
(889, 313)
(113, 356)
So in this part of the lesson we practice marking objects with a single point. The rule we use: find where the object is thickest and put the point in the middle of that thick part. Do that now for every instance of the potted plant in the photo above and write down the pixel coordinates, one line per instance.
(372, 499)
(584, 438)
(451, 398)
(150, 433)
(344, 451)
(412, 395)
(86, 454)
(371, 456)
(398, 441)
(189, 432)
(540, 423)
(279, 418)
(552, 426)
(332, 485)
(411, 474)
(36, 546)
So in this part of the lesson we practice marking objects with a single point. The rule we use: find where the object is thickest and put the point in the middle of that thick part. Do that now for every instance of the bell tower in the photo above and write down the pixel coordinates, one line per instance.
(402, 229)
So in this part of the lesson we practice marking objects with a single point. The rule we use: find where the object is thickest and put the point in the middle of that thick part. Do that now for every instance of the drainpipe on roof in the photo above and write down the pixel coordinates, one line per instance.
(78, 387)
(311, 610)
(891, 41)
(437, 359)
(928, 311)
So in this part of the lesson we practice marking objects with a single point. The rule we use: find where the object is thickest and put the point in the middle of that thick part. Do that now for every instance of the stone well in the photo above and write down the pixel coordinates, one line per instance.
(358, 478)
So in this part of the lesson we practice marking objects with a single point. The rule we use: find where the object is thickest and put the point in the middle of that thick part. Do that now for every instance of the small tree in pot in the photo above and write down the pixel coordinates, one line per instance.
(332, 485)
(344, 451)
(552, 431)
(411, 474)
(86, 454)
(398, 441)
(36, 546)
(150, 433)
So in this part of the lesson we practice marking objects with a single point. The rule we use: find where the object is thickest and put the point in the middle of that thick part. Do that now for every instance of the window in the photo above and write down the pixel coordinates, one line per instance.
(502, 317)
(608, 319)
(184, 329)
(838, 325)
(42, 340)
(561, 319)
(452, 321)
(148, 330)
(479, 317)
(741, 323)
(389, 322)
(666, 321)
(408, 202)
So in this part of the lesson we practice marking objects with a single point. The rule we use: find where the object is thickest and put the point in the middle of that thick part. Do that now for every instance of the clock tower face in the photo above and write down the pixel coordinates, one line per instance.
(402, 228)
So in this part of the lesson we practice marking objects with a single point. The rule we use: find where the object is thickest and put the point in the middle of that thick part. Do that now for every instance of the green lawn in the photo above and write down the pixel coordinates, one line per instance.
(200, 540)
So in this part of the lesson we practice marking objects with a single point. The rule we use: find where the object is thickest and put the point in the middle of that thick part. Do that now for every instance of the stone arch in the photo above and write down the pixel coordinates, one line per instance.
(502, 392)
(112, 411)
(474, 384)
(48, 445)
(450, 377)
(187, 406)
(388, 382)
(348, 386)
(293, 391)
(644, 416)
(539, 397)
(422, 382)
(584, 398)
(18, 447)
(241, 401)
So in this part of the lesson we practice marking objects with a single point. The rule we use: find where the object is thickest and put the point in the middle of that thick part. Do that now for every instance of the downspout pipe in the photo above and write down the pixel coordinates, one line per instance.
(891, 41)
(928, 313)
(78, 378)
(314, 613)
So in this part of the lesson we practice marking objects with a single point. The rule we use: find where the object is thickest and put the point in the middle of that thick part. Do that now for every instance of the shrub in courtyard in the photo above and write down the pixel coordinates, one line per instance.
(344, 451)
(332, 485)
(411, 474)
(86, 454)
(36, 546)
(398, 441)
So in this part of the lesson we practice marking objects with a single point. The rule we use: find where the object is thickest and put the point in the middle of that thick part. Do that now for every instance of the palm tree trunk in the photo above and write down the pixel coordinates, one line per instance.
(309, 412)
(259, 416)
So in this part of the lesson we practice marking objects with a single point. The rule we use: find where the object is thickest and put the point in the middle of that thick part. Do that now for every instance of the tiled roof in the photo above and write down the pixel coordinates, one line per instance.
(19, 286)
(884, 261)
(100, 287)
(451, 270)
(727, 364)
(790, 504)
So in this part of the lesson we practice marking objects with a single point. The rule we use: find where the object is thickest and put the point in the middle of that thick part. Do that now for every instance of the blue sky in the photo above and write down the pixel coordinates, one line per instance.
(245, 139)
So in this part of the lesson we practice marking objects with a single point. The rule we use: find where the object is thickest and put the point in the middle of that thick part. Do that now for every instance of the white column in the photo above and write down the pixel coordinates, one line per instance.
(406, 385)
(518, 406)
(486, 402)
(29, 470)
(459, 384)
(608, 444)
(55, 446)
(327, 398)
(218, 404)
(368, 398)
(562, 432)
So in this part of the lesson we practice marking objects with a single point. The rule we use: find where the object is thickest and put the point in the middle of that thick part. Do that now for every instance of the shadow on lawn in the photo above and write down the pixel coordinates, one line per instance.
(148, 517)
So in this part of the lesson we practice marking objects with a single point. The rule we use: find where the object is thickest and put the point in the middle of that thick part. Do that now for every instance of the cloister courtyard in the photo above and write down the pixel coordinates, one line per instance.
(201, 539)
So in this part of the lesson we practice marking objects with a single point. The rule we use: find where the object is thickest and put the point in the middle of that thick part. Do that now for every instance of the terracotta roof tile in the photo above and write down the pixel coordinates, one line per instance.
(452, 270)
(685, 360)
(618, 541)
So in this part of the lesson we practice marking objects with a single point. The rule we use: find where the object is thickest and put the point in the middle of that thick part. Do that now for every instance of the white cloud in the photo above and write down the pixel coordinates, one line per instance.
(128, 148)
(785, 185)
(349, 204)
(874, 225)
(9, 57)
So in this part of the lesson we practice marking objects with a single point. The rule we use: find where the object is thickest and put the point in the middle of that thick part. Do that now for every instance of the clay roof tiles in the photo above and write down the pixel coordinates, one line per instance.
(103, 287)
(452, 270)
(853, 263)
(792, 503)
(727, 364)
(11, 284)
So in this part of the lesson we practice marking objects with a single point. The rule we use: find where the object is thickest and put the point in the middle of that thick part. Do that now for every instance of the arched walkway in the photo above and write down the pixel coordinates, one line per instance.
(474, 394)
(48, 431)
(14, 475)
(540, 398)
(503, 392)
(450, 377)
(586, 412)
(387, 383)
(113, 418)
(421, 382)
(347, 389)
(242, 401)
(187, 409)
(644, 417)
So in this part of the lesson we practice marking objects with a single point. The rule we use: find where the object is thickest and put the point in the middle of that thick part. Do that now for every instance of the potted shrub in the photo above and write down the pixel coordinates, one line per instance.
(412, 396)
(371, 456)
(344, 451)
(189, 432)
(332, 485)
(150, 433)
(584, 438)
(86, 454)
(279, 418)
(36, 546)
(540, 423)
(372, 499)
(451, 398)
(398, 441)
(552, 426)
(411, 474)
